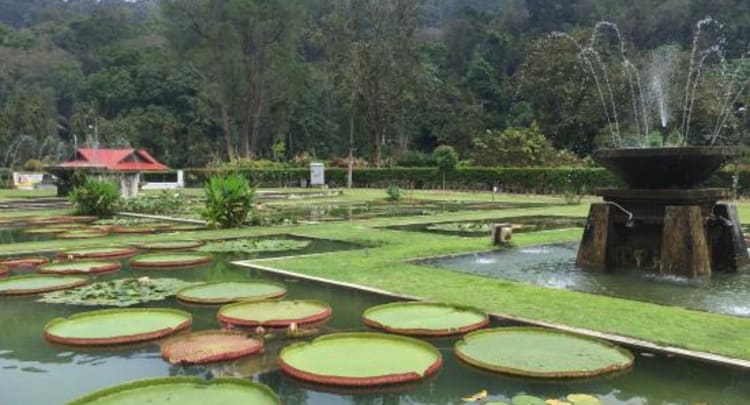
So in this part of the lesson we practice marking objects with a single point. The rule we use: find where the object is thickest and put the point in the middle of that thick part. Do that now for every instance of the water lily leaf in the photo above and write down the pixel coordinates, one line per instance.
(583, 399)
(527, 400)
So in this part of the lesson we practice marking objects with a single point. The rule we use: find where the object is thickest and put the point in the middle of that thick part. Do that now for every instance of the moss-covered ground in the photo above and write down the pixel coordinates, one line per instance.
(388, 264)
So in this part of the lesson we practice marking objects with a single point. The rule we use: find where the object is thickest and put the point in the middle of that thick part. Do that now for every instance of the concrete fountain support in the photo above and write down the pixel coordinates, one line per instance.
(661, 223)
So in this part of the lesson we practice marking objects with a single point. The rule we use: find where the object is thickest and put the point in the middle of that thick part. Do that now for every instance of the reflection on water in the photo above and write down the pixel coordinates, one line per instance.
(35, 372)
(554, 266)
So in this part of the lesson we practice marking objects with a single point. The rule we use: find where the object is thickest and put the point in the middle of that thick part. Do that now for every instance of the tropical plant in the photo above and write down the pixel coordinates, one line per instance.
(166, 202)
(229, 200)
(95, 197)
(394, 193)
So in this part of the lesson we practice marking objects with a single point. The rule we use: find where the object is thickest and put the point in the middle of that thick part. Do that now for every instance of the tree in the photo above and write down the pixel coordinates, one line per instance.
(446, 159)
(517, 147)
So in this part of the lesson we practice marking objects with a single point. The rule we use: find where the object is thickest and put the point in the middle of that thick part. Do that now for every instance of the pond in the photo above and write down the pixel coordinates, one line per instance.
(522, 224)
(554, 266)
(35, 372)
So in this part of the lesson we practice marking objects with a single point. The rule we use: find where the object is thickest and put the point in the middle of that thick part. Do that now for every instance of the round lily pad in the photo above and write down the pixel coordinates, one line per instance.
(23, 262)
(275, 314)
(187, 228)
(541, 353)
(424, 318)
(523, 399)
(82, 234)
(3, 271)
(583, 399)
(117, 326)
(133, 229)
(37, 284)
(167, 260)
(79, 267)
(209, 347)
(109, 252)
(46, 231)
(183, 391)
(174, 245)
(231, 291)
(360, 359)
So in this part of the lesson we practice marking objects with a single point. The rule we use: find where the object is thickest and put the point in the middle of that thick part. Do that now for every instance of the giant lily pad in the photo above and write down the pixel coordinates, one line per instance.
(118, 293)
(541, 353)
(116, 326)
(46, 231)
(209, 347)
(360, 359)
(424, 318)
(79, 267)
(276, 314)
(110, 252)
(28, 262)
(183, 391)
(170, 260)
(142, 229)
(82, 234)
(3, 271)
(37, 284)
(174, 245)
(231, 291)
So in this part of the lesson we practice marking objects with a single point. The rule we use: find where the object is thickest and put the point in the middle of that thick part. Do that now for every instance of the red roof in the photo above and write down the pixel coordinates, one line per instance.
(130, 160)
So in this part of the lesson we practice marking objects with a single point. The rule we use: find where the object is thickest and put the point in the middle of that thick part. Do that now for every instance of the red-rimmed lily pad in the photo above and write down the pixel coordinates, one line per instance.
(105, 252)
(3, 271)
(209, 347)
(231, 291)
(541, 353)
(46, 231)
(116, 326)
(79, 267)
(187, 228)
(20, 263)
(173, 245)
(170, 260)
(141, 229)
(183, 391)
(360, 359)
(274, 314)
(37, 284)
(82, 234)
(425, 318)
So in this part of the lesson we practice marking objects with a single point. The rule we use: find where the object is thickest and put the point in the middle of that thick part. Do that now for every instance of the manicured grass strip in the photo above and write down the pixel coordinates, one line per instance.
(116, 326)
(183, 391)
(360, 359)
(231, 291)
(424, 318)
(275, 314)
(37, 284)
(79, 267)
(541, 353)
(169, 260)
(209, 347)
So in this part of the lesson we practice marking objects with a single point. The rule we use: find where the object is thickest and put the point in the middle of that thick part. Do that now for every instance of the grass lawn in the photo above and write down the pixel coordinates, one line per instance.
(388, 265)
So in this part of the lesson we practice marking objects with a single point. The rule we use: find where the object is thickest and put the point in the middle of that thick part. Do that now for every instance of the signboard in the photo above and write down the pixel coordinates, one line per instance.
(317, 174)
(26, 181)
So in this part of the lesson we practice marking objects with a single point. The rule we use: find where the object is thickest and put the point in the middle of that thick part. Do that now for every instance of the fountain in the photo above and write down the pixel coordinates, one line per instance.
(663, 221)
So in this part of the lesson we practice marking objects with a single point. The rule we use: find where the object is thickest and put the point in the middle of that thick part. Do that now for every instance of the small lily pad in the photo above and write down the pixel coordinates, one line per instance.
(526, 400)
(79, 267)
(170, 260)
(231, 291)
(583, 399)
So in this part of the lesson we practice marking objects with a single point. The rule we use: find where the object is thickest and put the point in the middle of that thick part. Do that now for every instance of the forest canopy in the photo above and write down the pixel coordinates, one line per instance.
(201, 81)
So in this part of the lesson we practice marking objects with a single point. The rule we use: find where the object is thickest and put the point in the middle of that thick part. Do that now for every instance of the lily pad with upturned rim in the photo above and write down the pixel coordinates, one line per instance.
(170, 260)
(46, 231)
(209, 347)
(109, 252)
(424, 318)
(231, 291)
(173, 245)
(3, 271)
(29, 262)
(541, 353)
(183, 391)
(275, 314)
(116, 326)
(82, 234)
(37, 284)
(79, 267)
(360, 359)
(133, 229)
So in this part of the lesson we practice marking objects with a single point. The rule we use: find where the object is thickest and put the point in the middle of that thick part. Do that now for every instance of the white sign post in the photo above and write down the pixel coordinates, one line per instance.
(317, 174)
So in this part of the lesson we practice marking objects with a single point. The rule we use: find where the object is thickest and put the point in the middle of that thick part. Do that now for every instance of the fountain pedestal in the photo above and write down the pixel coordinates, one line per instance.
(682, 231)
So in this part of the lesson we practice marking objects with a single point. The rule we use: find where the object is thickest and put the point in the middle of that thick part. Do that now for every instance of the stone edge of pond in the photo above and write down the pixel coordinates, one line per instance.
(622, 340)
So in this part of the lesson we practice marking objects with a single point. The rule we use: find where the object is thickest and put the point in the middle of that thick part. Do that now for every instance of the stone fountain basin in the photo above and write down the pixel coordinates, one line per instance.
(670, 167)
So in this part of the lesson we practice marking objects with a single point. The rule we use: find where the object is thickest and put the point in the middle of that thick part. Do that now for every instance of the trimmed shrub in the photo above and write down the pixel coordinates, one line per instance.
(94, 197)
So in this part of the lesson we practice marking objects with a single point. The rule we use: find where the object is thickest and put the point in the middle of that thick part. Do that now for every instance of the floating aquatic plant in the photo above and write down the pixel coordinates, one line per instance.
(254, 245)
(118, 293)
